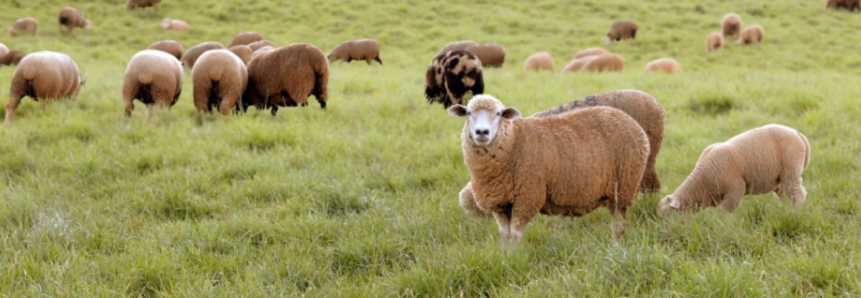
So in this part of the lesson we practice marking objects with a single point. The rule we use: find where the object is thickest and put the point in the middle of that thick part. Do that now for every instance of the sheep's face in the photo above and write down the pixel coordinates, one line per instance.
(165, 24)
(484, 115)
(667, 204)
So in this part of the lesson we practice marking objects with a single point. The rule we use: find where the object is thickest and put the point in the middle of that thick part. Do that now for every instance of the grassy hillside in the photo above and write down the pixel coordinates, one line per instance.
(361, 199)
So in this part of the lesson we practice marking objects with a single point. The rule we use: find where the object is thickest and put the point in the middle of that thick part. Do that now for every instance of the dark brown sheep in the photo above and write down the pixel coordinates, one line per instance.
(450, 75)
(72, 18)
(132, 4)
(169, 46)
(12, 58)
(243, 52)
(490, 55)
(153, 77)
(194, 52)
(24, 26)
(220, 78)
(730, 25)
(622, 30)
(851, 5)
(286, 77)
(245, 38)
(43, 76)
(361, 49)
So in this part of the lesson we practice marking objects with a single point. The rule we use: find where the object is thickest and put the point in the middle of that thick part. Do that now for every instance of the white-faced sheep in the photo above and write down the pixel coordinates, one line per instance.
(245, 38)
(261, 43)
(641, 106)
(12, 58)
(169, 46)
(539, 61)
(220, 78)
(23, 26)
(490, 55)
(456, 46)
(751, 35)
(243, 52)
(72, 18)
(451, 75)
(758, 161)
(730, 25)
(153, 77)
(622, 30)
(132, 4)
(568, 164)
(714, 42)
(596, 51)
(286, 77)
(191, 55)
(605, 62)
(665, 65)
(361, 49)
(175, 25)
(577, 64)
(43, 76)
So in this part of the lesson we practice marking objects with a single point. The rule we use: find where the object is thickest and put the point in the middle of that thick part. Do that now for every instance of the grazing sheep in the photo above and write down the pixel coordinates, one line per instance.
(73, 18)
(569, 164)
(577, 64)
(596, 51)
(175, 25)
(666, 65)
(714, 42)
(245, 38)
(622, 30)
(132, 4)
(3, 51)
(605, 62)
(23, 26)
(851, 5)
(539, 61)
(361, 49)
(194, 52)
(169, 46)
(730, 25)
(43, 75)
(286, 77)
(243, 52)
(758, 161)
(261, 43)
(220, 78)
(153, 77)
(456, 46)
(751, 35)
(490, 55)
(12, 58)
(450, 75)
(260, 51)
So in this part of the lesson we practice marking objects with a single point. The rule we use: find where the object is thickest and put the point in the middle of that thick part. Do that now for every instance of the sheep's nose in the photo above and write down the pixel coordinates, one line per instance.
(484, 132)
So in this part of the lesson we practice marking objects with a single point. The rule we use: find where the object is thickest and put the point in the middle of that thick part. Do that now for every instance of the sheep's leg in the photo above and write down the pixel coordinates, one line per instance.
(732, 198)
(467, 201)
(14, 101)
(619, 222)
(149, 110)
(794, 190)
(504, 222)
(521, 216)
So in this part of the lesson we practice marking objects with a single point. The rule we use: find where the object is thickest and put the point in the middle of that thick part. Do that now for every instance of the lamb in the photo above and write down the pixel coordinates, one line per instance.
(758, 161)
(132, 4)
(13, 58)
(752, 34)
(851, 5)
(261, 43)
(243, 52)
(194, 52)
(539, 61)
(622, 30)
(220, 78)
(175, 25)
(596, 51)
(43, 75)
(286, 77)
(714, 42)
(153, 77)
(605, 62)
(169, 46)
(643, 108)
(73, 18)
(567, 165)
(23, 26)
(361, 49)
(666, 65)
(577, 64)
(450, 75)
(730, 25)
(490, 55)
(456, 46)
(245, 38)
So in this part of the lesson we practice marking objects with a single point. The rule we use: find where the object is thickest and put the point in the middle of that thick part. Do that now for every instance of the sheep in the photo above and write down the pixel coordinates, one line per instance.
(175, 25)
(730, 25)
(456, 46)
(153, 77)
(73, 18)
(23, 26)
(750, 35)
(605, 62)
(245, 38)
(133, 4)
(169, 46)
(490, 55)
(286, 77)
(13, 58)
(577, 64)
(666, 65)
(596, 51)
(450, 75)
(569, 164)
(243, 52)
(714, 42)
(850, 5)
(43, 75)
(194, 52)
(539, 61)
(622, 30)
(361, 49)
(758, 161)
(3, 51)
(259, 52)
(261, 43)
(220, 78)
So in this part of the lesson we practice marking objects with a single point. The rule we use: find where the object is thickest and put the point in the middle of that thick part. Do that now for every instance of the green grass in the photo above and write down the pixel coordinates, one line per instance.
(361, 199)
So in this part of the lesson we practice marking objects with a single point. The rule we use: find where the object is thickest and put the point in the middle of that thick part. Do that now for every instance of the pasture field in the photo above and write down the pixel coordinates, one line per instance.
(360, 199)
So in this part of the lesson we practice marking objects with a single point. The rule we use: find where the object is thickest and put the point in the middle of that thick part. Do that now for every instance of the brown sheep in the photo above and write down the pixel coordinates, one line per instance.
(851, 5)
(456, 46)
(490, 55)
(12, 58)
(73, 18)
(175, 25)
(43, 75)
(714, 42)
(665, 65)
(261, 43)
(577, 64)
(220, 78)
(596, 51)
(622, 30)
(132, 4)
(286, 77)
(539, 61)
(751, 35)
(153, 77)
(245, 38)
(730, 25)
(23, 26)
(361, 49)
(451, 75)
(169, 46)
(243, 52)
(605, 62)
(259, 52)
(194, 52)
(3, 51)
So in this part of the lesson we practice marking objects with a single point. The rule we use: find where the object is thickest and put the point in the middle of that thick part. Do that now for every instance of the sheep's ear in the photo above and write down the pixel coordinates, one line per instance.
(675, 203)
(457, 111)
(510, 114)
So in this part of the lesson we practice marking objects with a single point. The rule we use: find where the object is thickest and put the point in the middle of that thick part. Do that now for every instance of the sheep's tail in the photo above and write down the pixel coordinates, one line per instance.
(145, 78)
(807, 147)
